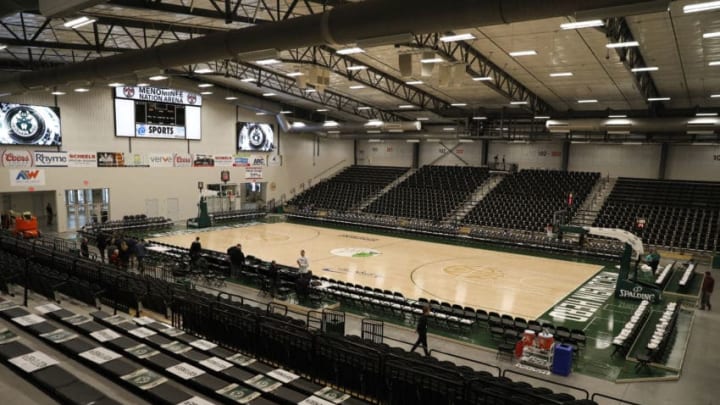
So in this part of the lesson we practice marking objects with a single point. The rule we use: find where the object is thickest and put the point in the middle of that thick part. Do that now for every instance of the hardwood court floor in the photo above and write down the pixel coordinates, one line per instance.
(507, 283)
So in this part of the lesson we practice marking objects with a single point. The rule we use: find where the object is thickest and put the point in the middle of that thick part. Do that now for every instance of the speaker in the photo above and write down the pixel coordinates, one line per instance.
(405, 63)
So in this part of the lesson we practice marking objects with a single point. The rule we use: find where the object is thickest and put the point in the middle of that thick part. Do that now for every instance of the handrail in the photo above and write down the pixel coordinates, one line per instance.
(508, 371)
(596, 395)
(329, 168)
(499, 370)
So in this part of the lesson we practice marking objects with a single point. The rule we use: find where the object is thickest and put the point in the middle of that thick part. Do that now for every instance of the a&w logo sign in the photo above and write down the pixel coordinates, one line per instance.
(21, 178)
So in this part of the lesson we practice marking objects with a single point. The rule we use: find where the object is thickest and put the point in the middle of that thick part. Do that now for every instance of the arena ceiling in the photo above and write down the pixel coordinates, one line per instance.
(673, 70)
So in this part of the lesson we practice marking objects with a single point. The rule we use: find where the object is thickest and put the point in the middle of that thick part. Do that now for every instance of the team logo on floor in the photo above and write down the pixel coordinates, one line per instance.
(355, 252)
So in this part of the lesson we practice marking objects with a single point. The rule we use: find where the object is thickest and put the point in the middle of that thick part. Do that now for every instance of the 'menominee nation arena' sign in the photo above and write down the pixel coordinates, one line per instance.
(158, 95)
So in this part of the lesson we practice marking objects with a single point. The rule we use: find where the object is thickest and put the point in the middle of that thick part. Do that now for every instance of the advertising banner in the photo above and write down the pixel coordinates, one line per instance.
(275, 160)
(135, 160)
(110, 159)
(160, 160)
(241, 161)
(253, 173)
(258, 160)
(50, 159)
(27, 177)
(17, 158)
(182, 160)
(82, 159)
(224, 160)
(200, 160)
(159, 131)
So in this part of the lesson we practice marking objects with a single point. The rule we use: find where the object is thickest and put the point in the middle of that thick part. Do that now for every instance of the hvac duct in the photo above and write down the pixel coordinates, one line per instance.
(345, 24)
(636, 125)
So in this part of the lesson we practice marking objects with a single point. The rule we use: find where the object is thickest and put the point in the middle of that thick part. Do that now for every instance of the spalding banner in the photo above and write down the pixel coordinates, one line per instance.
(17, 159)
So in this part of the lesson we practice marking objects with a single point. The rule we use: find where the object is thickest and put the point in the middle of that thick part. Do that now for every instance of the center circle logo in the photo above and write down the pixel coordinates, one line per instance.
(355, 252)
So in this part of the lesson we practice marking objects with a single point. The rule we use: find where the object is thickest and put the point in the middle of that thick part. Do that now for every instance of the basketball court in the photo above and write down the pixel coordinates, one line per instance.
(515, 284)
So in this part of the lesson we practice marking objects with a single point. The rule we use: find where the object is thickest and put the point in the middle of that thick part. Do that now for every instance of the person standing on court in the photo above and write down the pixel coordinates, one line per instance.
(421, 328)
(707, 288)
(237, 260)
(303, 263)
(49, 212)
(195, 249)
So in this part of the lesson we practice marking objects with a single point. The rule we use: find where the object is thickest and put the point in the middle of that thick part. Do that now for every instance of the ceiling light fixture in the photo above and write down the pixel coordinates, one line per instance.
(482, 78)
(699, 7)
(458, 104)
(479, 118)
(617, 116)
(582, 24)
(659, 99)
(357, 67)
(645, 69)
(206, 93)
(322, 110)
(3, 46)
(561, 74)
(714, 63)
(435, 59)
(157, 78)
(204, 70)
(265, 62)
(364, 108)
(587, 101)
(412, 140)
(374, 123)
(457, 37)
(706, 114)
(248, 80)
(81, 90)
(422, 118)
(350, 51)
(627, 44)
(79, 22)
(414, 82)
(143, 84)
(58, 93)
(261, 113)
(530, 52)
(542, 117)
(295, 74)
(449, 129)
(357, 87)
(205, 85)
(519, 102)
(310, 91)
(715, 95)
(115, 84)
(229, 98)
(269, 94)
(285, 112)
(406, 106)
(709, 35)
(298, 124)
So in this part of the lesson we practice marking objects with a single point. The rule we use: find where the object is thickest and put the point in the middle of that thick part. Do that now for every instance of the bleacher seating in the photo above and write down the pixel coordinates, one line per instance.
(528, 199)
(683, 214)
(431, 193)
(372, 370)
(348, 188)
(129, 223)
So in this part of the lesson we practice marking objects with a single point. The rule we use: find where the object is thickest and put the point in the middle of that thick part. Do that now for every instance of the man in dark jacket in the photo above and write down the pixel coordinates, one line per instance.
(237, 260)
(140, 253)
(707, 288)
(195, 249)
(101, 243)
(421, 328)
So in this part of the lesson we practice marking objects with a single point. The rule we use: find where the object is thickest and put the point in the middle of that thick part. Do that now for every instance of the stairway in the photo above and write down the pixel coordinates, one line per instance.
(488, 185)
(363, 204)
(589, 210)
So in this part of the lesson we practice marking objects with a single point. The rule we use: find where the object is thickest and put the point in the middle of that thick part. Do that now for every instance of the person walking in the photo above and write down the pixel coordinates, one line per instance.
(421, 328)
(303, 263)
(707, 288)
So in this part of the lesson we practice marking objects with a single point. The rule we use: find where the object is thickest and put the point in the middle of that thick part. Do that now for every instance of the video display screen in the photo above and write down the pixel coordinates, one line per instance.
(255, 137)
(22, 124)
(151, 112)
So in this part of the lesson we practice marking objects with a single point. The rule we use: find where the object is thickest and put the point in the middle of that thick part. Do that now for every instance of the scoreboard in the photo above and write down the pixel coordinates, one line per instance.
(151, 112)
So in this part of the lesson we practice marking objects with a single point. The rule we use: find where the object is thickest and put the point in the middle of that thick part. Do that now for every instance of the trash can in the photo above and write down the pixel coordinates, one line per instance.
(562, 360)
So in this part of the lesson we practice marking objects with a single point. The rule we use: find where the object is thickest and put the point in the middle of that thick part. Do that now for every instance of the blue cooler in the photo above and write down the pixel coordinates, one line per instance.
(562, 360)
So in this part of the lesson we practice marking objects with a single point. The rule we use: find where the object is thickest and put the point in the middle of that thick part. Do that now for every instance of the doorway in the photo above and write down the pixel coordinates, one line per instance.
(87, 206)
